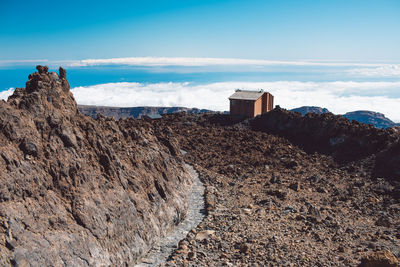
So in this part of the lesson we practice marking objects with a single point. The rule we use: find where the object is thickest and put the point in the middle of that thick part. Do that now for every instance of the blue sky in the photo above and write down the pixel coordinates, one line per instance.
(350, 30)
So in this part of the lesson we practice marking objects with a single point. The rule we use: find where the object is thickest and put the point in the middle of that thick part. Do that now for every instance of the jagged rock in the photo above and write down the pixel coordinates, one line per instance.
(42, 69)
(336, 136)
(76, 191)
(63, 73)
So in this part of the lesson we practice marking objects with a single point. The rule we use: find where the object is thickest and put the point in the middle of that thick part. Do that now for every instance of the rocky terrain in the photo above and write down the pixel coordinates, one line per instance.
(135, 112)
(75, 191)
(281, 189)
(275, 202)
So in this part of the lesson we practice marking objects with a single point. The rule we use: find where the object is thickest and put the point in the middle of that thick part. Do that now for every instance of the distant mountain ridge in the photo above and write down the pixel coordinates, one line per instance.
(136, 112)
(369, 117)
(364, 116)
(310, 109)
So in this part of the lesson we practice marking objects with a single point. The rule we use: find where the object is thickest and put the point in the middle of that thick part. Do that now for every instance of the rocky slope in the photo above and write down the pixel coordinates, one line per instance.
(135, 112)
(75, 191)
(336, 136)
(327, 133)
(272, 203)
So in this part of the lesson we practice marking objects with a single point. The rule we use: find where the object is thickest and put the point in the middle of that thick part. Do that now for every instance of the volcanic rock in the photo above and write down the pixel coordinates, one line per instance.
(77, 191)
(327, 133)
(257, 215)
(380, 259)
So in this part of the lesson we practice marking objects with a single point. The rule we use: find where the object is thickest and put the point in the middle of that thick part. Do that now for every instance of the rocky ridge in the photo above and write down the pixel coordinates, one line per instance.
(330, 134)
(75, 191)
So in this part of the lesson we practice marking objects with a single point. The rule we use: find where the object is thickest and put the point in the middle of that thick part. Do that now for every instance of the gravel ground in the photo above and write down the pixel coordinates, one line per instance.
(269, 203)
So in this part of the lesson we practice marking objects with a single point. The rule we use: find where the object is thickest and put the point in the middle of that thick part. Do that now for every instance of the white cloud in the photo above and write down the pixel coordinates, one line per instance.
(5, 94)
(358, 69)
(382, 71)
(214, 96)
(191, 61)
(13, 62)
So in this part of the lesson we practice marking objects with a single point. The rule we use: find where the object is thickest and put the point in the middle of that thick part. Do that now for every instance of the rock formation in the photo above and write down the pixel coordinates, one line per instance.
(77, 191)
(327, 133)
(380, 259)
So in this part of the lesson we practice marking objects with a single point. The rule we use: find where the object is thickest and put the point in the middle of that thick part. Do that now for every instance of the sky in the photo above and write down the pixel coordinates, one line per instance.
(349, 30)
(339, 54)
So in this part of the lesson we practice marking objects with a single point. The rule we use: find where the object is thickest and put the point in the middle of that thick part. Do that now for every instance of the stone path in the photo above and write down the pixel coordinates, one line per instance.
(161, 251)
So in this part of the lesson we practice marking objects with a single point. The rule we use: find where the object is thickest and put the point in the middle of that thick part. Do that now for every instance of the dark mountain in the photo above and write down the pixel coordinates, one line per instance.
(308, 109)
(364, 116)
(369, 117)
(136, 112)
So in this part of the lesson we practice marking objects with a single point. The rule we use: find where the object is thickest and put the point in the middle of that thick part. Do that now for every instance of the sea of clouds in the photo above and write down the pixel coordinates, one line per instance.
(338, 97)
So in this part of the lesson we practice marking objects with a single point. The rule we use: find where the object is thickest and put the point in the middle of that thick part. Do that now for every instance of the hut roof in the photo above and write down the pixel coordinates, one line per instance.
(246, 95)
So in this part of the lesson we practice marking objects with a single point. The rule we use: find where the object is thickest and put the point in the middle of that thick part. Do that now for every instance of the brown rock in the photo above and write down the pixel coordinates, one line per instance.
(200, 236)
(295, 186)
(191, 255)
(77, 191)
(244, 248)
(380, 259)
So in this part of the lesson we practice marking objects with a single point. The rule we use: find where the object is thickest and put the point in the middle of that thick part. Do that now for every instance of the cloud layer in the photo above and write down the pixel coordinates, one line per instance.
(192, 61)
(338, 97)
(382, 71)
(351, 69)
(214, 96)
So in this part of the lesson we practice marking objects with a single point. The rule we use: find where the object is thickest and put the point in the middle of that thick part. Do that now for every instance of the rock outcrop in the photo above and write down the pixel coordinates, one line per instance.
(327, 133)
(380, 259)
(388, 164)
(76, 191)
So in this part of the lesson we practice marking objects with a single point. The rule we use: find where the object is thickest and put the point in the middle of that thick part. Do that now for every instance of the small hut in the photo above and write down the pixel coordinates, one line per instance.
(249, 104)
